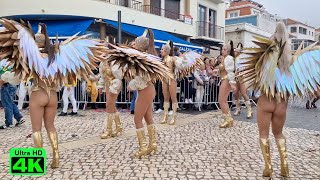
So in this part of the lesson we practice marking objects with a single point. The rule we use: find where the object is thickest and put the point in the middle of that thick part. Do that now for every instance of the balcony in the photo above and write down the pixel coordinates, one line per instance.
(137, 5)
(208, 34)
(206, 29)
(133, 4)
(133, 12)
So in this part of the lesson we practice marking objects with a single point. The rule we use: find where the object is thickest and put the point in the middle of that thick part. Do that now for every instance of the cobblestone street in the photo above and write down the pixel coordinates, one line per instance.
(196, 148)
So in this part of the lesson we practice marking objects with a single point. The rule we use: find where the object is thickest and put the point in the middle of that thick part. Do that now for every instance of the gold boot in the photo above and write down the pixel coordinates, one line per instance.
(265, 149)
(119, 129)
(37, 139)
(174, 115)
(281, 144)
(53, 137)
(249, 110)
(238, 108)
(152, 139)
(166, 113)
(143, 150)
(228, 121)
(108, 132)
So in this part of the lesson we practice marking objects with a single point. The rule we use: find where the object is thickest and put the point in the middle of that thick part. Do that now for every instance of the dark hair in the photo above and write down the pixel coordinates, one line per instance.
(48, 47)
(151, 49)
(231, 49)
(171, 48)
(176, 48)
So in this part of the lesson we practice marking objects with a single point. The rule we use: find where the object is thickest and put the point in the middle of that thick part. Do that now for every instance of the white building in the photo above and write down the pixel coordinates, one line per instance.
(246, 19)
(318, 35)
(300, 32)
(199, 21)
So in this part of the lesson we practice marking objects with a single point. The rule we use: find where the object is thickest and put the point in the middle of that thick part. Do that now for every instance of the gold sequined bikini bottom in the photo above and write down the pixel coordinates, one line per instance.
(47, 89)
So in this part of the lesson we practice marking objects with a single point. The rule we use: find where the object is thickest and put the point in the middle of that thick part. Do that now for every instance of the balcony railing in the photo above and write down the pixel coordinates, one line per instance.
(137, 5)
(210, 30)
(165, 13)
(133, 4)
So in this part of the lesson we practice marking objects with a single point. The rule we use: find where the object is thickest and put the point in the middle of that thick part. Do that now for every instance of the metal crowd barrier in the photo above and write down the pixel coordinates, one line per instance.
(211, 92)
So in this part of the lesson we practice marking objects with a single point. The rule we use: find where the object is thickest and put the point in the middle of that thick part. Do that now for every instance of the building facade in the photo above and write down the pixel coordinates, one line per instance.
(318, 36)
(300, 32)
(191, 24)
(246, 19)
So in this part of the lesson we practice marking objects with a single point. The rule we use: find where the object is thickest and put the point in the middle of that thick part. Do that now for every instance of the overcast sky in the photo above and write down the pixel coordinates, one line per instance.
(305, 11)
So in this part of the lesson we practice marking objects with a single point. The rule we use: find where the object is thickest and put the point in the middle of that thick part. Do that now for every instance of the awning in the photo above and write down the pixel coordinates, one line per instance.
(161, 37)
(63, 28)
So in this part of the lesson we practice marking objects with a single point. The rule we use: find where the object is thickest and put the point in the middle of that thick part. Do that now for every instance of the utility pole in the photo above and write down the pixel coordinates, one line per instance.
(119, 39)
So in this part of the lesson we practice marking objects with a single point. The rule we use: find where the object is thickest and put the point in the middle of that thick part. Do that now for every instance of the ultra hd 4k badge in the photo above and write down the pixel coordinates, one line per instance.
(27, 161)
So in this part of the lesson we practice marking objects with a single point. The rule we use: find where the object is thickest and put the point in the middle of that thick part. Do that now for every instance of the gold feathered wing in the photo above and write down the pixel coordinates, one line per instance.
(136, 63)
(193, 59)
(260, 70)
(74, 57)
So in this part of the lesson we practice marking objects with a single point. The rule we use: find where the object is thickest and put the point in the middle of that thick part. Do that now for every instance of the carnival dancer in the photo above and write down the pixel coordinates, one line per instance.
(51, 66)
(271, 69)
(241, 88)
(111, 79)
(181, 67)
(142, 67)
(227, 83)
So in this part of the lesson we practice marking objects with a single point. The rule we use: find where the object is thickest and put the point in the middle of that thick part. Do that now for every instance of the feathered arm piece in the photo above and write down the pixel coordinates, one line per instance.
(251, 67)
(187, 63)
(135, 63)
(75, 57)
(229, 66)
(138, 83)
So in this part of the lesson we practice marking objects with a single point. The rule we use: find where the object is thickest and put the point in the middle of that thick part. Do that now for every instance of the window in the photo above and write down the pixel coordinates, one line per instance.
(154, 8)
(212, 23)
(293, 29)
(302, 30)
(172, 9)
(202, 15)
(233, 14)
(309, 33)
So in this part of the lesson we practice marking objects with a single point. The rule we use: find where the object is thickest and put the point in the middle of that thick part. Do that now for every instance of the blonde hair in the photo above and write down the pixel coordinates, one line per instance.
(166, 48)
(281, 35)
(146, 42)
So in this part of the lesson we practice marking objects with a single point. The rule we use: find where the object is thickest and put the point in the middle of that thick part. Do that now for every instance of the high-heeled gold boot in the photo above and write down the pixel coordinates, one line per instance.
(281, 144)
(143, 149)
(174, 115)
(108, 132)
(249, 109)
(152, 139)
(53, 137)
(166, 113)
(119, 129)
(265, 149)
(37, 139)
(238, 108)
(228, 121)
